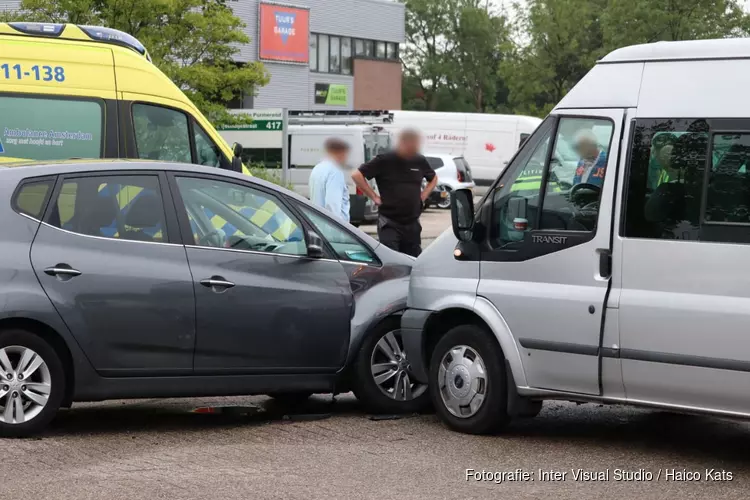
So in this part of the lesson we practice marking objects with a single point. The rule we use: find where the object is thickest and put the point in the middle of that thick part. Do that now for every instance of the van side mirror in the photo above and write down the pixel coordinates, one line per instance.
(315, 246)
(462, 214)
(237, 149)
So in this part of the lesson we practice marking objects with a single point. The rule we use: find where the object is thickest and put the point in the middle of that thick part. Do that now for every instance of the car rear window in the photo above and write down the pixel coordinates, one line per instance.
(38, 128)
(435, 162)
(31, 197)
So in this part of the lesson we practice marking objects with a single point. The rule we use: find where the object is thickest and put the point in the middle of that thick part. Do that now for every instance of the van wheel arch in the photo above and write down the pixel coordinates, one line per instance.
(440, 323)
(49, 334)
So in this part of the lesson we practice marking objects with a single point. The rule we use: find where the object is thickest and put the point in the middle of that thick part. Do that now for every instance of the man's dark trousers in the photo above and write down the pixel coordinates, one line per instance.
(405, 238)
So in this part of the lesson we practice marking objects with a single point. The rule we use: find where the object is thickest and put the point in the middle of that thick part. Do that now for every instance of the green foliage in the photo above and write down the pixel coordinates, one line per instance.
(464, 57)
(191, 41)
(269, 174)
(452, 50)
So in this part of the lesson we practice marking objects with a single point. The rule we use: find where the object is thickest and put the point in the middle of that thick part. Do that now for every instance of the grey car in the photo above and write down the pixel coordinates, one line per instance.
(143, 279)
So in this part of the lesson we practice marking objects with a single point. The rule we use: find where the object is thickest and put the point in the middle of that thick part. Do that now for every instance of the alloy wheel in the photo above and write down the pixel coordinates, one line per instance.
(25, 384)
(391, 370)
(462, 381)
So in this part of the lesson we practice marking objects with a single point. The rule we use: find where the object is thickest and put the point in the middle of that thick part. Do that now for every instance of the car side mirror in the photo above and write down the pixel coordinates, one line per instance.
(315, 246)
(462, 214)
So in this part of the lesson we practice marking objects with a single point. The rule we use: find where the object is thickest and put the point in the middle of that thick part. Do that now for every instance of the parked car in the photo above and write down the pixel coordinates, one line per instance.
(453, 173)
(132, 279)
(617, 281)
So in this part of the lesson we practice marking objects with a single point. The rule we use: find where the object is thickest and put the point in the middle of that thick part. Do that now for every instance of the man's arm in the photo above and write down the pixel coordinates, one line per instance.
(432, 179)
(368, 171)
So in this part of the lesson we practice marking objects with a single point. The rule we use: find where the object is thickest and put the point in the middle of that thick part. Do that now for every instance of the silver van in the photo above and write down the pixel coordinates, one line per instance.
(615, 276)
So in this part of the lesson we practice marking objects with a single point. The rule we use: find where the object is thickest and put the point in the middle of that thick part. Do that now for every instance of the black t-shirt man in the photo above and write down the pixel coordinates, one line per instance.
(399, 179)
(400, 184)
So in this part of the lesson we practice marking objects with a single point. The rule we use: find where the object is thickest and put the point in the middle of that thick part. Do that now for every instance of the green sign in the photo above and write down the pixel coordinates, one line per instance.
(332, 94)
(270, 125)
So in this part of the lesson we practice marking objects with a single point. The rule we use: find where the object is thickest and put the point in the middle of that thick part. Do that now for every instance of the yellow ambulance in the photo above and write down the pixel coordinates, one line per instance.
(69, 91)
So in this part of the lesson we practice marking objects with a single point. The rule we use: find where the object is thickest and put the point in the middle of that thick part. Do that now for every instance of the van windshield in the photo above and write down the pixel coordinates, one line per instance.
(36, 128)
(376, 143)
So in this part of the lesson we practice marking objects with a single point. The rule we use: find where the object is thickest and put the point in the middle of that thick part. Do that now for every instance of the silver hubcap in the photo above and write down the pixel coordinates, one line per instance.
(462, 381)
(25, 384)
(391, 369)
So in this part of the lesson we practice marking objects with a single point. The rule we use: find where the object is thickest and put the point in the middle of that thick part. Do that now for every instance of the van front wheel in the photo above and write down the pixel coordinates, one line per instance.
(468, 383)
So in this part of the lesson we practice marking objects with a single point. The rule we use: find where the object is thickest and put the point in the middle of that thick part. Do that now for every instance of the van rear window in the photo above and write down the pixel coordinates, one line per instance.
(50, 129)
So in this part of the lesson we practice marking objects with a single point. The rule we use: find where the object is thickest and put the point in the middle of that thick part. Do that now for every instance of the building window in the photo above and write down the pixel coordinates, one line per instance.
(323, 53)
(380, 50)
(359, 48)
(346, 56)
(393, 51)
(335, 59)
(313, 52)
(369, 48)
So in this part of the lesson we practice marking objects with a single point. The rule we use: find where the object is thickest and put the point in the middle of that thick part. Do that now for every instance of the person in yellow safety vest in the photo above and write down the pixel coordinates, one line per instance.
(660, 164)
(530, 182)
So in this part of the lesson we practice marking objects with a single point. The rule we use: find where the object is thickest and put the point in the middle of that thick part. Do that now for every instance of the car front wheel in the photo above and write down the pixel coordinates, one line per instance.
(468, 383)
(32, 383)
(383, 378)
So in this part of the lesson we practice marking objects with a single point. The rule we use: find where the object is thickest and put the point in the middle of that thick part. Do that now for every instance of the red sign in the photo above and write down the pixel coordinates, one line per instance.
(284, 33)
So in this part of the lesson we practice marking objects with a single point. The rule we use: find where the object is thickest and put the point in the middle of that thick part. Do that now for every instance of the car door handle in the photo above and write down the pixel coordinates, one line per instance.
(62, 271)
(217, 282)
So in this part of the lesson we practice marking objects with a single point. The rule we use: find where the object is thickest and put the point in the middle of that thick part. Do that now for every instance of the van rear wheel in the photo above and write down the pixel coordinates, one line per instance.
(468, 383)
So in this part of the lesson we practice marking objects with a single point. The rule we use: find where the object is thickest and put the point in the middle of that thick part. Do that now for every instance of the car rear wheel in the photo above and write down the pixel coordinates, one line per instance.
(468, 383)
(32, 383)
(383, 380)
(445, 202)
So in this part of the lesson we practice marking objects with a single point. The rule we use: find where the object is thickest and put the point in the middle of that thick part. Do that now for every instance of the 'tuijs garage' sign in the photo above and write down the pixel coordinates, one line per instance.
(284, 33)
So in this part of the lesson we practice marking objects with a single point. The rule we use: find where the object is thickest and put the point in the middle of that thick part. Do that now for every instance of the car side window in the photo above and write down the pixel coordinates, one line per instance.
(161, 133)
(227, 215)
(30, 197)
(208, 152)
(346, 246)
(127, 207)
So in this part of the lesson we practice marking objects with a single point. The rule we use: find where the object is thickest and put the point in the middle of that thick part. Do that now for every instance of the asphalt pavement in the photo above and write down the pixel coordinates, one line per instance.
(248, 447)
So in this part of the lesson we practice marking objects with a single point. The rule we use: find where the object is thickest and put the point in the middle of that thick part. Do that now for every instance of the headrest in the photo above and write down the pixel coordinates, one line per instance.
(102, 214)
(146, 211)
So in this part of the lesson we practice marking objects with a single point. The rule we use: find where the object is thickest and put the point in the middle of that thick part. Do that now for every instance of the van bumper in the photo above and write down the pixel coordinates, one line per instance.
(413, 322)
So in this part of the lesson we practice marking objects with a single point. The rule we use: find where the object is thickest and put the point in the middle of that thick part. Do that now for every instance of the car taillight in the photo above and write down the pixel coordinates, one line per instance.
(460, 176)
(359, 192)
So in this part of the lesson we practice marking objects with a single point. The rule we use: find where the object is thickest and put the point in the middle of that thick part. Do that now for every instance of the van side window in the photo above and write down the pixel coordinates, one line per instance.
(208, 152)
(665, 179)
(161, 133)
(33, 128)
(575, 177)
(728, 197)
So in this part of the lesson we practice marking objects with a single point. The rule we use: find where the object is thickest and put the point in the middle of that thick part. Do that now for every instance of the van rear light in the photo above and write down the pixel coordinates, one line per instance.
(360, 192)
(460, 176)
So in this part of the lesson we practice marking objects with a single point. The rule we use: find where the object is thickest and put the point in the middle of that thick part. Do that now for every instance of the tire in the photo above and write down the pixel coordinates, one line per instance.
(384, 398)
(445, 204)
(291, 399)
(47, 377)
(491, 413)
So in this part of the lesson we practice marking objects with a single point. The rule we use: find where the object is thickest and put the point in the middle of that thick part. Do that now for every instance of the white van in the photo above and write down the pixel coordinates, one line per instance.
(306, 149)
(619, 282)
(486, 141)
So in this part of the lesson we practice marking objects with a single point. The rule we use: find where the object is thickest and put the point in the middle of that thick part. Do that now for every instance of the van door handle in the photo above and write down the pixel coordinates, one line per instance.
(62, 270)
(217, 283)
(605, 263)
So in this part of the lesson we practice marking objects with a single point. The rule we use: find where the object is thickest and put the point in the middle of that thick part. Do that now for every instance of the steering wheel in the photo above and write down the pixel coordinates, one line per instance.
(214, 238)
(584, 186)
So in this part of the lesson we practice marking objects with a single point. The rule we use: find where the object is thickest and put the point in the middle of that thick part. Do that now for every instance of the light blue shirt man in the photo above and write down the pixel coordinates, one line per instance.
(328, 188)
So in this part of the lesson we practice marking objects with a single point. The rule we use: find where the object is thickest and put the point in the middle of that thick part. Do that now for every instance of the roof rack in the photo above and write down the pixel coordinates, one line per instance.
(336, 117)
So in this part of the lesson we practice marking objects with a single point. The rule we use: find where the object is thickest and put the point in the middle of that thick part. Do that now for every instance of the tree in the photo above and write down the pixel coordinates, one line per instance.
(452, 49)
(191, 41)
